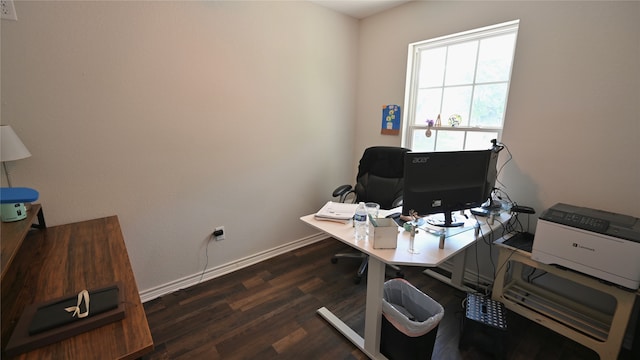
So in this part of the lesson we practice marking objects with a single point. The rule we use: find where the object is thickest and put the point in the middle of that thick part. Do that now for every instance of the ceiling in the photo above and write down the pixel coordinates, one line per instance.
(359, 9)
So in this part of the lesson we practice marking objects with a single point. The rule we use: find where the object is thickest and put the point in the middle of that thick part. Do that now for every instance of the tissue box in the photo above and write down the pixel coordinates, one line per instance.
(385, 234)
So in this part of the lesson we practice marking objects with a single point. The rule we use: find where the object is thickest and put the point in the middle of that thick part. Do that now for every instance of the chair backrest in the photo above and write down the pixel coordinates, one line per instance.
(380, 176)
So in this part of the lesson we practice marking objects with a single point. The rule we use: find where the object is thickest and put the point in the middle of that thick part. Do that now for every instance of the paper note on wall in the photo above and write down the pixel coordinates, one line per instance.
(390, 120)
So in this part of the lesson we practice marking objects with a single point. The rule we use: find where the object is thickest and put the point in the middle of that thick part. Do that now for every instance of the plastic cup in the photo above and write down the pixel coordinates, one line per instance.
(372, 209)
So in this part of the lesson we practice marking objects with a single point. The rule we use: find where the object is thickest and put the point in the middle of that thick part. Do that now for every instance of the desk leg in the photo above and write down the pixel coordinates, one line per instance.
(370, 345)
(373, 310)
(624, 307)
(456, 278)
(457, 273)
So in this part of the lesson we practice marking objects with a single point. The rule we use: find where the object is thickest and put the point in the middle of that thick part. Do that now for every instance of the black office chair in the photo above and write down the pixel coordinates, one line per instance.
(379, 180)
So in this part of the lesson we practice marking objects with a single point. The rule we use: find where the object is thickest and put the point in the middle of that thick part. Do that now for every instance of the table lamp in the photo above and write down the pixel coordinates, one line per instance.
(11, 148)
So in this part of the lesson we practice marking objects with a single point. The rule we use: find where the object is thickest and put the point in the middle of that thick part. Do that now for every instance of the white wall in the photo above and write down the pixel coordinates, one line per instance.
(182, 116)
(572, 120)
(179, 117)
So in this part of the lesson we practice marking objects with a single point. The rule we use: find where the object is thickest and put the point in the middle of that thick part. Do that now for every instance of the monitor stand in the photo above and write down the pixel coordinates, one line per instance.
(448, 221)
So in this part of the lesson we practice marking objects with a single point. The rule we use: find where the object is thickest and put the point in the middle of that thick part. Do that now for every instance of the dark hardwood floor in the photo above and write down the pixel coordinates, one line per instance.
(268, 311)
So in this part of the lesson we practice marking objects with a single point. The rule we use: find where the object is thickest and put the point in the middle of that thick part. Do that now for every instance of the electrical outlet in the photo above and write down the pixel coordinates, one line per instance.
(7, 10)
(219, 233)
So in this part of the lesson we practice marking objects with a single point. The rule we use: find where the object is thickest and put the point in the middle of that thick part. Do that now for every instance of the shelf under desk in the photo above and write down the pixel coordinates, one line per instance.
(13, 234)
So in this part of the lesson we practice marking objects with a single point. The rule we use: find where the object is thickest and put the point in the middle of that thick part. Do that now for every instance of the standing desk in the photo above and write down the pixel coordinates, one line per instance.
(429, 255)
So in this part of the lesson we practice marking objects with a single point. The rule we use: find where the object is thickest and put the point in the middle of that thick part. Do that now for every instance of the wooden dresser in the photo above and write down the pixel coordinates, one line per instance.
(62, 260)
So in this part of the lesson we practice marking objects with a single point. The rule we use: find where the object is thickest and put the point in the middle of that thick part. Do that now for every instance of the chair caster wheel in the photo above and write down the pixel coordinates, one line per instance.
(400, 274)
(334, 260)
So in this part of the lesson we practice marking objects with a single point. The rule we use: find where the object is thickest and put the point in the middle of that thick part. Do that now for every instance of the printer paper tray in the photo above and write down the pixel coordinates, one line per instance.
(571, 314)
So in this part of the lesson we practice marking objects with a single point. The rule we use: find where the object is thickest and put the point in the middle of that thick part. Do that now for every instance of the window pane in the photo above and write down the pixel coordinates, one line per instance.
(450, 140)
(431, 67)
(456, 100)
(479, 140)
(421, 142)
(427, 105)
(488, 105)
(494, 60)
(466, 75)
(461, 63)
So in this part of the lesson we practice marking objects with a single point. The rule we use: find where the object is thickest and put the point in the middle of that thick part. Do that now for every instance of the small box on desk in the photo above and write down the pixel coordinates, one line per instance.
(385, 233)
(47, 323)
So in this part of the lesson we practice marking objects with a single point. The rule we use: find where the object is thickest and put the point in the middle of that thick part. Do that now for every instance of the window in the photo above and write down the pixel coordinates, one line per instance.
(463, 79)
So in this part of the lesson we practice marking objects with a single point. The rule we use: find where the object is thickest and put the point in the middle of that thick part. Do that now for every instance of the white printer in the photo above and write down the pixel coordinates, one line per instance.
(598, 243)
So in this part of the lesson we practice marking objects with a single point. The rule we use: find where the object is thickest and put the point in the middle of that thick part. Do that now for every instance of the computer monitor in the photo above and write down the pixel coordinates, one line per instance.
(444, 182)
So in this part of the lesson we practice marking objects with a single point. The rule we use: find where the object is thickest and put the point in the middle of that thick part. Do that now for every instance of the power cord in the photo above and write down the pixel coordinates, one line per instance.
(206, 253)
(505, 163)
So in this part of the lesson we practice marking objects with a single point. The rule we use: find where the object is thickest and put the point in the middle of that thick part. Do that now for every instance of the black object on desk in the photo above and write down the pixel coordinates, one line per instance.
(521, 241)
(396, 218)
(37, 327)
(54, 314)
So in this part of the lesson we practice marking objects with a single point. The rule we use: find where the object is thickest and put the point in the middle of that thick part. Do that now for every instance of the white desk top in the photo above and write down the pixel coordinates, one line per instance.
(426, 243)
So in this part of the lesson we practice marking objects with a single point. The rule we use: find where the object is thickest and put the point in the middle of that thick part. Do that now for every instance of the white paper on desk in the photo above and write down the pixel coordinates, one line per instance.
(336, 211)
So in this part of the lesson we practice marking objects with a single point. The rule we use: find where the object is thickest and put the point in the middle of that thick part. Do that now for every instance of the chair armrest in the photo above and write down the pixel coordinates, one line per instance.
(397, 202)
(342, 190)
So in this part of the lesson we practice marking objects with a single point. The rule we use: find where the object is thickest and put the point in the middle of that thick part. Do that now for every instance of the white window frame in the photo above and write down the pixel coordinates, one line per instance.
(409, 125)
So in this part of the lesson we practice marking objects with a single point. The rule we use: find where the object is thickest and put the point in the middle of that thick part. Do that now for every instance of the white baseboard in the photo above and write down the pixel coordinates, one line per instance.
(212, 273)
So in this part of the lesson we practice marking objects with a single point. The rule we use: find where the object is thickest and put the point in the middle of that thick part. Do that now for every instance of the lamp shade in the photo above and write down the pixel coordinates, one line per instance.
(11, 147)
